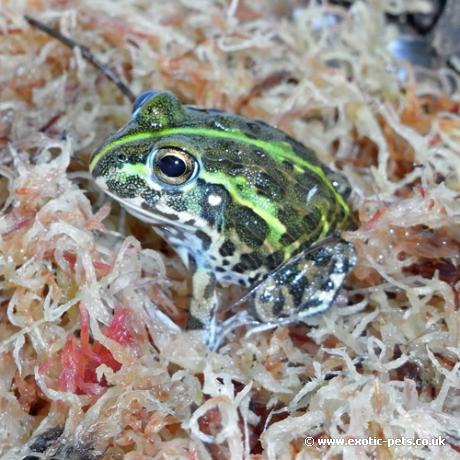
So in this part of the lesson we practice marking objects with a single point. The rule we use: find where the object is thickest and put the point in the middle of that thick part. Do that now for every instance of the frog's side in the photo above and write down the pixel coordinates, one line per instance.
(240, 201)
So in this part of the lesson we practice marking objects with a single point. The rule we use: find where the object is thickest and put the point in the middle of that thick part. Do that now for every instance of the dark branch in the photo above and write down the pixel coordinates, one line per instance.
(87, 55)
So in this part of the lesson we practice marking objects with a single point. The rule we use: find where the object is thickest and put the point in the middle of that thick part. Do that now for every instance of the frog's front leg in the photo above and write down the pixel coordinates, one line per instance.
(203, 305)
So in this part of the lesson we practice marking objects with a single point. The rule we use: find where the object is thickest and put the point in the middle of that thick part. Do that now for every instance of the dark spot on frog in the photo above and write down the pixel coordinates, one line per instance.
(248, 262)
(328, 285)
(321, 257)
(274, 260)
(194, 323)
(177, 202)
(238, 268)
(227, 277)
(288, 238)
(164, 215)
(253, 279)
(311, 303)
(256, 128)
(267, 186)
(150, 196)
(297, 289)
(227, 249)
(311, 219)
(251, 228)
(205, 239)
(286, 276)
(192, 264)
(345, 268)
(296, 227)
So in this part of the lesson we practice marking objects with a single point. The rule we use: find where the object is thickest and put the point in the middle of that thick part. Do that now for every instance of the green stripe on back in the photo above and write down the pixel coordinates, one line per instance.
(279, 151)
(247, 196)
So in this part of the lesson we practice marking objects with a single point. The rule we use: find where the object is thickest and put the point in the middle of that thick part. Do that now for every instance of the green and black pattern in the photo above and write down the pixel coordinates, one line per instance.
(235, 197)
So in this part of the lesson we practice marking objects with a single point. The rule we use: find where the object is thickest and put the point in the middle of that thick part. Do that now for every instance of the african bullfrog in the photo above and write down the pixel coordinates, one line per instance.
(240, 201)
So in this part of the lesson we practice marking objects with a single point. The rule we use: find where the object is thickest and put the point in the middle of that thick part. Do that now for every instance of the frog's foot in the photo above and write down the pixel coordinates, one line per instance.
(305, 285)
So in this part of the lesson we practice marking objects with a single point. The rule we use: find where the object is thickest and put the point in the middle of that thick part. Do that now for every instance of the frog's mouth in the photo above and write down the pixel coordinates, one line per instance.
(156, 218)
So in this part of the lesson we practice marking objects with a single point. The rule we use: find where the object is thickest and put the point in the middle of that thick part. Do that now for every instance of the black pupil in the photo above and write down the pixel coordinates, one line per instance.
(172, 166)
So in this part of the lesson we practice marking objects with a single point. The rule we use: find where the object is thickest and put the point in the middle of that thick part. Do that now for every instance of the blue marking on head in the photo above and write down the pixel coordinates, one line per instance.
(141, 99)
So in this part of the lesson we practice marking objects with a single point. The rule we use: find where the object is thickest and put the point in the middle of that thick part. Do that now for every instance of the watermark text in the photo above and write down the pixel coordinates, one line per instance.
(372, 441)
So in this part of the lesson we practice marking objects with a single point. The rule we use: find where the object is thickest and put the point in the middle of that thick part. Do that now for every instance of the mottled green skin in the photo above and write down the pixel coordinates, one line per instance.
(259, 196)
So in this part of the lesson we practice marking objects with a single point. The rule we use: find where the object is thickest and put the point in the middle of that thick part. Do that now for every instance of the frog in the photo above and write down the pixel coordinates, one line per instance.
(240, 201)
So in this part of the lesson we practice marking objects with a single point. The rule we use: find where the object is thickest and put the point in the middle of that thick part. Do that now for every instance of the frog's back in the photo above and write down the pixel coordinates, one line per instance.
(282, 197)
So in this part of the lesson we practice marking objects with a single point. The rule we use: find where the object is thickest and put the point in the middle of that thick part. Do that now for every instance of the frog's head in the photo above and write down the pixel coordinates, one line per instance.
(224, 177)
(148, 167)
(177, 166)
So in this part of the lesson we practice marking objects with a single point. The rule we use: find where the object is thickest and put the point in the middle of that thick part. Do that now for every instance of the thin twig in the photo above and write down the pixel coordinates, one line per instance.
(87, 55)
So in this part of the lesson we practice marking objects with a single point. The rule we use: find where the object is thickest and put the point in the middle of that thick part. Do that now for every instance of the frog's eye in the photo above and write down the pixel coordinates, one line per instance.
(142, 98)
(173, 166)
